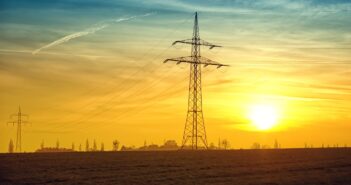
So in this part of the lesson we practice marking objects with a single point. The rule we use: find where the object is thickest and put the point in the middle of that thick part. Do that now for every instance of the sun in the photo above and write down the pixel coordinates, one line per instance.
(263, 117)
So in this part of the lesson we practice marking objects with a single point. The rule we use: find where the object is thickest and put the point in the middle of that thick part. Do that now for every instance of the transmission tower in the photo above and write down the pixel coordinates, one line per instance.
(194, 132)
(17, 119)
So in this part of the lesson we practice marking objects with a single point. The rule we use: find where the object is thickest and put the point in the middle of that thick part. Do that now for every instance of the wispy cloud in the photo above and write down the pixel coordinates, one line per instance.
(86, 32)
(29, 52)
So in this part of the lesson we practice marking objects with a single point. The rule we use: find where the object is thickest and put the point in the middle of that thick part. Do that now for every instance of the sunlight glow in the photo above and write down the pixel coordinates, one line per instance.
(263, 117)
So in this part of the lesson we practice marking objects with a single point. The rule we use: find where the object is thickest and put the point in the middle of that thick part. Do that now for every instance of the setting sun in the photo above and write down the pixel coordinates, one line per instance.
(263, 117)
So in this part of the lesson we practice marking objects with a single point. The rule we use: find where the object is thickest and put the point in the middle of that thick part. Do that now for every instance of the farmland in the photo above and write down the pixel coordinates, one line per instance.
(242, 167)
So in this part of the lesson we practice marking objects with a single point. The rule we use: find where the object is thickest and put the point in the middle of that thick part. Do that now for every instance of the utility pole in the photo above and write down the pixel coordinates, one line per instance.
(194, 131)
(17, 118)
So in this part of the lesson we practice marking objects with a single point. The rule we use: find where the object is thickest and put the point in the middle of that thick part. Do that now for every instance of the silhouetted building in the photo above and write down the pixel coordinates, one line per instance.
(53, 149)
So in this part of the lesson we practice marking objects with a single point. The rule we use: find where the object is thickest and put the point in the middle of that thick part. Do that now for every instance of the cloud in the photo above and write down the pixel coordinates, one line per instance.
(86, 32)
(28, 52)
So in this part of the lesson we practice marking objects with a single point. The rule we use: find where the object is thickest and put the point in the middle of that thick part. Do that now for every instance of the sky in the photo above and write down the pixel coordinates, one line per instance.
(94, 70)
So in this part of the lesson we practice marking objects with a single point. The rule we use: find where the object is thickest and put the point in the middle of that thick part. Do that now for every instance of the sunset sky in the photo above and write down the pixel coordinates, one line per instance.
(105, 79)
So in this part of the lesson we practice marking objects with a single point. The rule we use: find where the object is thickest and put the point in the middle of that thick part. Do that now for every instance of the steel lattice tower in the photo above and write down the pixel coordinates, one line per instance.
(194, 132)
(19, 121)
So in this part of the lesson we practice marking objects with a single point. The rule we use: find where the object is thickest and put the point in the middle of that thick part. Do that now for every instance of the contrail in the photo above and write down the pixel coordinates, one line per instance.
(86, 32)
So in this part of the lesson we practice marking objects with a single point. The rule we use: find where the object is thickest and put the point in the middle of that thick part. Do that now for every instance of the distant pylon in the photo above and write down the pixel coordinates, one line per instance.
(194, 131)
(19, 121)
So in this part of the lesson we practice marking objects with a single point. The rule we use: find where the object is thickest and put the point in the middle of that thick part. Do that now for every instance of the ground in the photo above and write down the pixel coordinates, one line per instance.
(240, 167)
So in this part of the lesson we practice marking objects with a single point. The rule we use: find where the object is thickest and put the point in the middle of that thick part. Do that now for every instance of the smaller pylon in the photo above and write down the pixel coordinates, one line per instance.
(17, 119)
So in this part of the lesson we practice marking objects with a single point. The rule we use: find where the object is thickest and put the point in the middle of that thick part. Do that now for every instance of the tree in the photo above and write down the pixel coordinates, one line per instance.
(73, 147)
(42, 144)
(80, 147)
(256, 146)
(102, 147)
(115, 145)
(11, 146)
(212, 146)
(94, 146)
(225, 144)
(276, 145)
(87, 146)
(57, 144)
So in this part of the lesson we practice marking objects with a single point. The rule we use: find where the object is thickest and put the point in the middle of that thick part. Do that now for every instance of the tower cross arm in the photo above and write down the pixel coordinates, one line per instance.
(193, 42)
(192, 60)
(11, 122)
(16, 115)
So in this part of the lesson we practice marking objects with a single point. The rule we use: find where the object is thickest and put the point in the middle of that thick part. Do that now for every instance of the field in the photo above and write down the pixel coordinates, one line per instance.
(238, 167)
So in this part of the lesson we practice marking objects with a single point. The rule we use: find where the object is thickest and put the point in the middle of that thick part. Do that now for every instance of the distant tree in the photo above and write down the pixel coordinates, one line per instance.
(80, 147)
(115, 145)
(225, 143)
(57, 144)
(11, 146)
(42, 144)
(323, 145)
(122, 148)
(256, 146)
(102, 147)
(212, 146)
(94, 146)
(276, 145)
(87, 146)
(73, 147)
